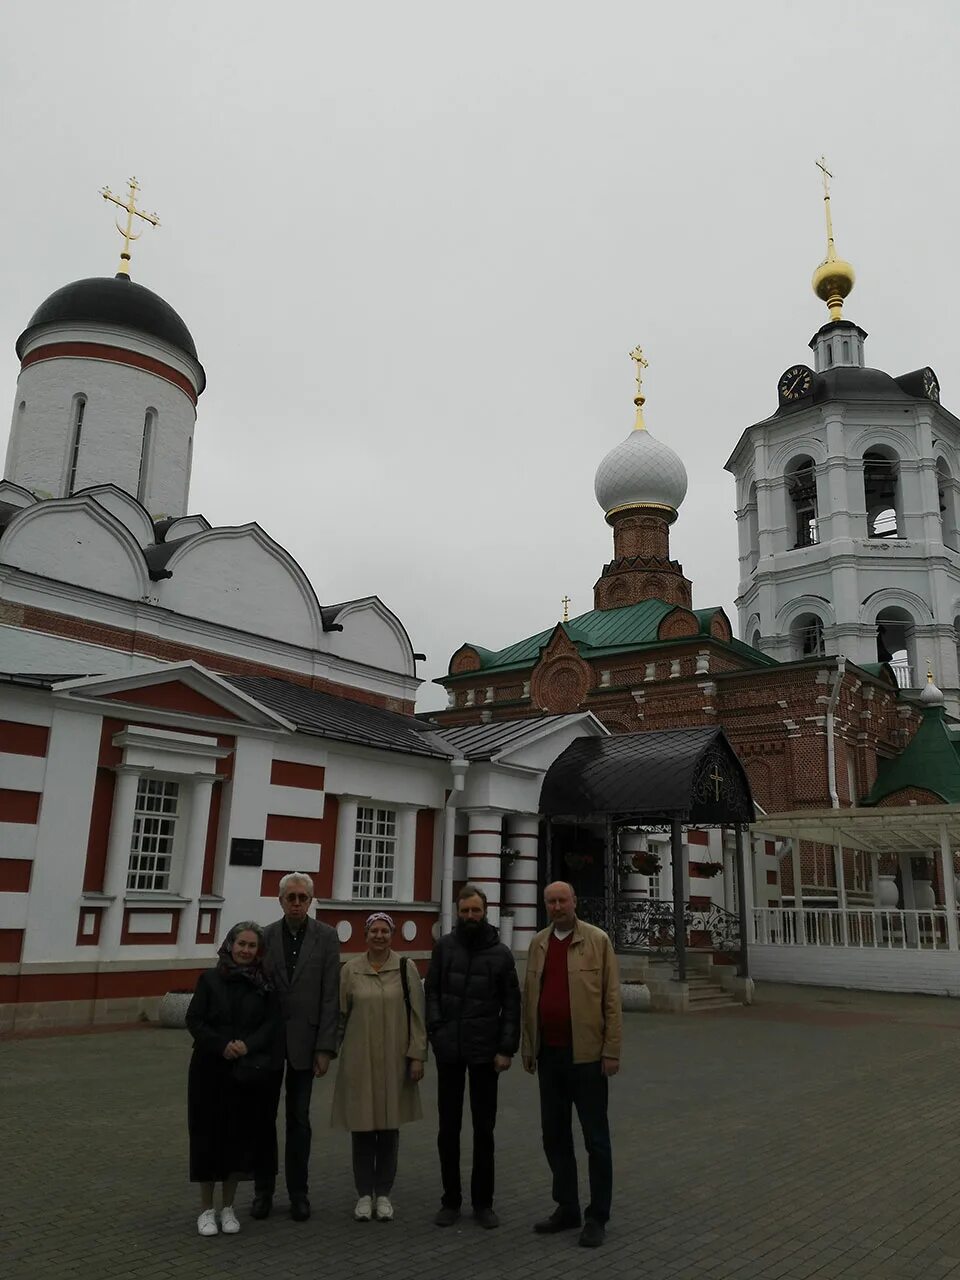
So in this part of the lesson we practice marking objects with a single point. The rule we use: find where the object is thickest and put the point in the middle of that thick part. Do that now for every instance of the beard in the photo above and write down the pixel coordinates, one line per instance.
(470, 928)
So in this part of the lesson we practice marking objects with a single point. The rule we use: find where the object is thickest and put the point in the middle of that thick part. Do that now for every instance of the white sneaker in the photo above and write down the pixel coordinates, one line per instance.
(207, 1223)
(363, 1211)
(228, 1221)
(384, 1209)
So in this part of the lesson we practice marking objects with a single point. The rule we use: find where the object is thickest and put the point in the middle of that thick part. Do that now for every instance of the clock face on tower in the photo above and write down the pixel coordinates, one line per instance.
(795, 384)
(931, 387)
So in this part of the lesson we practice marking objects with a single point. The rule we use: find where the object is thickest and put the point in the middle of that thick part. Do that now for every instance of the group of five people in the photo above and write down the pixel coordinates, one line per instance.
(278, 1008)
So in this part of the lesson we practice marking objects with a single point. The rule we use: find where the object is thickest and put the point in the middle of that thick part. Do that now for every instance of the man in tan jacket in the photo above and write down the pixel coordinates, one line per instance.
(572, 1027)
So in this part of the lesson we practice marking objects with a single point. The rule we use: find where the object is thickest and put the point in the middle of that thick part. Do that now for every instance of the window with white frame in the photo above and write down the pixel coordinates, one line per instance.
(375, 852)
(154, 831)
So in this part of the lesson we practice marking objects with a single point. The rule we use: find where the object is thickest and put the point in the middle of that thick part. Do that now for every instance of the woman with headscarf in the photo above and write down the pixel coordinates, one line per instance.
(381, 1062)
(234, 1021)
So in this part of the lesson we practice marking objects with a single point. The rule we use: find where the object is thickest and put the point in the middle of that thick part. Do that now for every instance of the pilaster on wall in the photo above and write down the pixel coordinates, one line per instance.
(484, 841)
(521, 882)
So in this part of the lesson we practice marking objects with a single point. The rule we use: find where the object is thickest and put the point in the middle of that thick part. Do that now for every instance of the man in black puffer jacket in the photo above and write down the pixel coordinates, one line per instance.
(473, 1020)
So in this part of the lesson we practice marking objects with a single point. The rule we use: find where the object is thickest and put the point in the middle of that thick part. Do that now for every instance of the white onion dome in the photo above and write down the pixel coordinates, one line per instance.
(931, 696)
(641, 471)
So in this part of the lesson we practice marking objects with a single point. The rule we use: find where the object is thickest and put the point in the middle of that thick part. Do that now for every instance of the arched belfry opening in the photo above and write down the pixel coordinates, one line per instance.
(806, 634)
(896, 644)
(881, 492)
(801, 478)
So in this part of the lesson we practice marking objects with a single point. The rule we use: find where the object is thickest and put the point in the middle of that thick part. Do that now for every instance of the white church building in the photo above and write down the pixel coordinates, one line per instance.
(182, 720)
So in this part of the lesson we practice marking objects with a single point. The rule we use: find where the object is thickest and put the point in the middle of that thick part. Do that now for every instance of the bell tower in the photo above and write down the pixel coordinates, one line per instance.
(847, 506)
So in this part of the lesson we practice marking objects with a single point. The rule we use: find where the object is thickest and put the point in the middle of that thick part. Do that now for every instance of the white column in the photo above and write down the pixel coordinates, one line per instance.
(406, 853)
(634, 885)
(840, 877)
(729, 884)
(520, 887)
(484, 841)
(949, 889)
(118, 856)
(346, 847)
(800, 931)
(193, 854)
(911, 928)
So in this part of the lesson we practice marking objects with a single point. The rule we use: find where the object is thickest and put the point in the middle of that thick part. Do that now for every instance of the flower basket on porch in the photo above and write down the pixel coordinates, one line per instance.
(577, 861)
(708, 869)
(509, 856)
(645, 864)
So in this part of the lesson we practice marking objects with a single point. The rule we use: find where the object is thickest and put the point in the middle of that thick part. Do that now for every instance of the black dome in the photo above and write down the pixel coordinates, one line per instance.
(113, 300)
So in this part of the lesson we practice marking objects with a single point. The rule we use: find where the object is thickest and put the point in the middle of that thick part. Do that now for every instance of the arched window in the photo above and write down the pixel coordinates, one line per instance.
(149, 426)
(846, 350)
(801, 477)
(829, 355)
(896, 644)
(947, 494)
(753, 527)
(755, 639)
(806, 632)
(79, 407)
(881, 492)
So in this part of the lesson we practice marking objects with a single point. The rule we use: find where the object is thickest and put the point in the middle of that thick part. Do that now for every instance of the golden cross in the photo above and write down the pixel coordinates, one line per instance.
(716, 778)
(566, 608)
(827, 175)
(642, 363)
(128, 233)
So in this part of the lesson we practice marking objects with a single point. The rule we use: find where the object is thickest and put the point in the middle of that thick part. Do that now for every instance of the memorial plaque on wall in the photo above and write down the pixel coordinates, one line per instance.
(246, 853)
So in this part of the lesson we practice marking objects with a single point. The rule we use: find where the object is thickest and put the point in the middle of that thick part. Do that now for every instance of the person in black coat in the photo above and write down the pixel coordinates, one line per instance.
(473, 1021)
(234, 1020)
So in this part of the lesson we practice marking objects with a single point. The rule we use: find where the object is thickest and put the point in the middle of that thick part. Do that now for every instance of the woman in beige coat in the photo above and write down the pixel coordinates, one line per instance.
(381, 1062)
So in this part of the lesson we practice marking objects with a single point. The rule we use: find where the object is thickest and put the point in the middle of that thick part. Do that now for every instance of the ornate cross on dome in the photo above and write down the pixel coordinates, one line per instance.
(642, 363)
(566, 608)
(827, 175)
(128, 233)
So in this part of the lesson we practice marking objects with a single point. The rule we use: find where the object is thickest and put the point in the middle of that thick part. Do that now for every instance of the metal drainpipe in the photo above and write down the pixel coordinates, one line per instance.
(458, 768)
(831, 751)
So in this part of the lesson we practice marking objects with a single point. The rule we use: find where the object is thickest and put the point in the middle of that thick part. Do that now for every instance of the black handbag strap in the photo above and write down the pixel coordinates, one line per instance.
(405, 983)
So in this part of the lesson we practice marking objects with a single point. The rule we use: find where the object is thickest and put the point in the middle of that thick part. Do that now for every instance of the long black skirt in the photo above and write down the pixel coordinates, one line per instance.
(232, 1126)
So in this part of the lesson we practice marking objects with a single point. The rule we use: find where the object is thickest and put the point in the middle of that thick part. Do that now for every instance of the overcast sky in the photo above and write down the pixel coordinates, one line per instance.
(415, 242)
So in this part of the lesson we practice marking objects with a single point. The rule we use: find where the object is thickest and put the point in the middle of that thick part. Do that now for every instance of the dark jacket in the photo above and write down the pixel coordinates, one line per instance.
(223, 1010)
(473, 998)
(310, 1004)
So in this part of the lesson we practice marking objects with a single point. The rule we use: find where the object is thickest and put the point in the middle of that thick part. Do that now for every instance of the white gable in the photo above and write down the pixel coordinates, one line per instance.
(239, 577)
(76, 540)
(373, 635)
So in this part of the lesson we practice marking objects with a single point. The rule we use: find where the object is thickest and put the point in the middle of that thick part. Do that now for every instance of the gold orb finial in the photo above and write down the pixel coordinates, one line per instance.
(834, 278)
(639, 399)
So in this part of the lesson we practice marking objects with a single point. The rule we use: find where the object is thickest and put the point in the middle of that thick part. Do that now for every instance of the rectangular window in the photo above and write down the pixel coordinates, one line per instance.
(154, 828)
(375, 853)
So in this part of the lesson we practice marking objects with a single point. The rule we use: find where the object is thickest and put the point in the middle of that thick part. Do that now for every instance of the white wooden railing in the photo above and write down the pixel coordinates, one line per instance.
(855, 927)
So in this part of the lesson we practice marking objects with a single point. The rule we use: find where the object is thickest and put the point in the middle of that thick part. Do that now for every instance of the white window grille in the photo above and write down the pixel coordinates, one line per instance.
(154, 829)
(375, 853)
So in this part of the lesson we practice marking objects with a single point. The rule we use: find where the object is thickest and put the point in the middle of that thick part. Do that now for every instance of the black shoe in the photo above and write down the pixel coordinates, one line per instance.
(299, 1208)
(486, 1218)
(559, 1220)
(446, 1217)
(262, 1204)
(592, 1235)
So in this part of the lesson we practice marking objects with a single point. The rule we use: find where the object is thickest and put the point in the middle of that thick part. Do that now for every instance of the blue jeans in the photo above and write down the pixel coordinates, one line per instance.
(563, 1086)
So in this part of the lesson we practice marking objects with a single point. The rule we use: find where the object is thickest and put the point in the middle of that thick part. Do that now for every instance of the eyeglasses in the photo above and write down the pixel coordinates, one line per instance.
(296, 897)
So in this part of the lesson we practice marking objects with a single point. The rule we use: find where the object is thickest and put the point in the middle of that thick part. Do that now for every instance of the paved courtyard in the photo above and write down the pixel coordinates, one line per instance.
(815, 1135)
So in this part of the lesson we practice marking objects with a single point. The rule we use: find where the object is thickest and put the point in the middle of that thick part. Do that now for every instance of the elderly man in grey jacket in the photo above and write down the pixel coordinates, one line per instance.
(302, 960)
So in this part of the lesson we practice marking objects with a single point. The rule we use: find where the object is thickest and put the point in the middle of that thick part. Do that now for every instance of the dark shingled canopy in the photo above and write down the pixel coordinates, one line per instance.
(691, 774)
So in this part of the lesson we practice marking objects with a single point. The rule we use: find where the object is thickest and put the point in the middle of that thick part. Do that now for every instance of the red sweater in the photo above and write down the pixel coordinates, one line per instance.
(555, 995)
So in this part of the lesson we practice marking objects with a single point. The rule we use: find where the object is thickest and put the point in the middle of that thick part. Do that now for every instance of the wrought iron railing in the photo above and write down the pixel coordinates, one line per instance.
(648, 924)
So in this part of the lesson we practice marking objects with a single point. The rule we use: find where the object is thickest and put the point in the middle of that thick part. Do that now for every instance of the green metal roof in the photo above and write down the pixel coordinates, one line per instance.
(930, 760)
(606, 631)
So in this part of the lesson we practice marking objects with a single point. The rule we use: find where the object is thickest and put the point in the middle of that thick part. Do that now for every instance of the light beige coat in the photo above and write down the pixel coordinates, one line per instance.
(596, 1017)
(373, 1088)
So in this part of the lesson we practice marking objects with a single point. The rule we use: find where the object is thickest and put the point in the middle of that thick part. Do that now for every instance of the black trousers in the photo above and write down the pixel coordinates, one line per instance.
(484, 1079)
(299, 1086)
(375, 1160)
(563, 1086)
